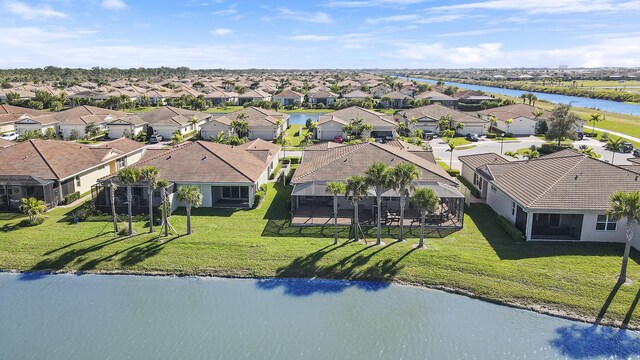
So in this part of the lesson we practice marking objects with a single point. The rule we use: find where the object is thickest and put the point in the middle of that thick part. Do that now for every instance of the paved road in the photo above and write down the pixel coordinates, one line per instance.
(485, 145)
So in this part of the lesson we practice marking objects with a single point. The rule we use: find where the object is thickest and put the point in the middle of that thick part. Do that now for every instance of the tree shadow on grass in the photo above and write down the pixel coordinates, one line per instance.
(355, 270)
(508, 249)
(579, 341)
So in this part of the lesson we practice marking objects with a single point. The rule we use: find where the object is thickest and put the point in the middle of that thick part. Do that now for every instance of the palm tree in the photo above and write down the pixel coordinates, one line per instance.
(531, 154)
(150, 175)
(335, 188)
(508, 122)
(378, 176)
(91, 130)
(63, 98)
(307, 139)
(163, 185)
(402, 178)
(33, 208)
(356, 189)
(492, 121)
(594, 118)
(627, 206)
(532, 99)
(219, 138)
(112, 196)
(426, 200)
(451, 148)
(523, 97)
(194, 122)
(129, 176)
(191, 196)
(614, 145)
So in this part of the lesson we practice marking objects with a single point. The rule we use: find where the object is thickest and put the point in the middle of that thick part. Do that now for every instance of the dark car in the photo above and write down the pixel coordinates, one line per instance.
(627, 147)
(636, 152)
(472, 137)
(338, 139)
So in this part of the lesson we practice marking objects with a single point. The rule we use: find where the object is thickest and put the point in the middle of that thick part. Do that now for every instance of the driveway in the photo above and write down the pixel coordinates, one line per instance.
(485, 146)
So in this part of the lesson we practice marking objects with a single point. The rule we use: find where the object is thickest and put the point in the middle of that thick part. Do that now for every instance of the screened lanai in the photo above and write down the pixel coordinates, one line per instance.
(15, 187)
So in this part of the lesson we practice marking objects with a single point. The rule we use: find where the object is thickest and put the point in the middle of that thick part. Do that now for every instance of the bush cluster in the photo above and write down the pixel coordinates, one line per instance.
(509, 228)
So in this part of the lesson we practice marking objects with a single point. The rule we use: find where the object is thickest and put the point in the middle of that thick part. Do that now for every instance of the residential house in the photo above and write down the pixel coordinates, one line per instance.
(396, 100)
(130, 125)
(289, 98)
(379, 91)
(524, 122)
(322, 97)
(426, 119)
(312, 204)
(166, 120)
(356, 95)
(79, 117)
(38, 123)
(560, 196)
(437, 97)
(263, 124)
(49, 170)
(331, 124)
(9, 114)
(253, 95)
(219, 97)
(227, 176)
(471, 97)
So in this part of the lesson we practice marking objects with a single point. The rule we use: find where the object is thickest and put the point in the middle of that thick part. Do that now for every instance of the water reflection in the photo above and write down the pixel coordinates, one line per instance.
(307, 287)
(585, 342)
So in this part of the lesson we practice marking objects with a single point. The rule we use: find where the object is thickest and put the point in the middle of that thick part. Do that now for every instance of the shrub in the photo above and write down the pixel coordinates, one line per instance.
(509, 228)
(290, 174)
(123, 229)
(37, 221)
(260, 195)
(87, 209)
(275, 171)
(71, 197)
(161, 209)
(474, 191)
(491, 135)
(291, 160)
(549, 148)
(453, 172)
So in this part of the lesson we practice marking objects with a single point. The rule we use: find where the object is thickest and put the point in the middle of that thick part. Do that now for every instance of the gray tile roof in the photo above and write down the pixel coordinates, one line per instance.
(347, 115)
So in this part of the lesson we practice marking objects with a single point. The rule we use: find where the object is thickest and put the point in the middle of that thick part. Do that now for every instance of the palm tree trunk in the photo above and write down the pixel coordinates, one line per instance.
(627, 249)
(188, 219)
(112, 192)
(150, 209)
(379, 224)
(450, 160)
(356, 222)
(402, 204)
(422, 221)
(164, 212)
(335, 219)
(129, 201)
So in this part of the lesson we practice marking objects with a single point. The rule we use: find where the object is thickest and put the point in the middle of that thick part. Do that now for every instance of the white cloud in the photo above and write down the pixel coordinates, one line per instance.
(114, 4)
(371, 3)
(473, 32)
(303, 16)
(548, 6)
(221, 31)
(438, 19)
(31, 12)
(393, 18)
(225, 12)
(312, 37)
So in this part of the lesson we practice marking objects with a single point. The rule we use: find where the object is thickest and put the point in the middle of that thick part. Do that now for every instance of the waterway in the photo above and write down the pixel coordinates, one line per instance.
(137, 317)
(606, 105)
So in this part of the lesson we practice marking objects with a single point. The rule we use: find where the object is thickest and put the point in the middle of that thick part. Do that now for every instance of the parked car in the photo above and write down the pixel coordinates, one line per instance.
(627, 147)
(472, 137)
(154, 139)
(10, 136)
(388, 138)
(636, 152)
(580, 135)
(338, 139)
(379, 140)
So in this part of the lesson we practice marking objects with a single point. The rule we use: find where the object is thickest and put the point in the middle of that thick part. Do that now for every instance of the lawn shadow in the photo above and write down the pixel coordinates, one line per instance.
(607, 303)
(579, 341)
(354, 270)
(632, 308)
(280, 207)
(508, 249)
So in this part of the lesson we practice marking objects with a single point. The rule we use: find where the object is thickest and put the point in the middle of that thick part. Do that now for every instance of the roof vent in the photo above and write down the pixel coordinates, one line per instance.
(204, 157)
(168, 157)
(576, 178)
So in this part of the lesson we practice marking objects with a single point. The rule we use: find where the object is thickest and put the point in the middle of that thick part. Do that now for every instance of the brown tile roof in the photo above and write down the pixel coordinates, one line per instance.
(207, 162)
(4, 143)
(414, 149)
(288, 94)
(256, 116)
(433, 113)
(345, 116)
(10, 109)
(396, 95)
(342, 162)
(434, 95)
(47, 119)
(254, 94)
(565, 181)
(478, 160)
(170, 116)
(53, 159)
(85, 114)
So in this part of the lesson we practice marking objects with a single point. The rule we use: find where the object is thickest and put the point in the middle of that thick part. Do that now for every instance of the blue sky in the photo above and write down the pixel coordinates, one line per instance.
(320, 34)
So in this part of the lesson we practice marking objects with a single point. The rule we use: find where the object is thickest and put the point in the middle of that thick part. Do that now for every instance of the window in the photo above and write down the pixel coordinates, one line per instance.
(235, 192)
(603, 223)
(477, 181)
(513, 208)
(493, 188)
(78, 181)
(120, 163)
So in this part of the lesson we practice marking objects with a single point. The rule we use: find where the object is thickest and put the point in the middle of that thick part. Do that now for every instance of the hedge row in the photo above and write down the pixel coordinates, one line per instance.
(509, 228)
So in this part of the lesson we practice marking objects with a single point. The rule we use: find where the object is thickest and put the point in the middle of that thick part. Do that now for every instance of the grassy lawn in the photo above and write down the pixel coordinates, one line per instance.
(294, 141)
(635, 144)
(459, 141)
(465, 147)
(576, 278)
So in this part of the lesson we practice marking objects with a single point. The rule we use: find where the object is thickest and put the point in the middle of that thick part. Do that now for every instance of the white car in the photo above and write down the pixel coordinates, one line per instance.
(11, 136)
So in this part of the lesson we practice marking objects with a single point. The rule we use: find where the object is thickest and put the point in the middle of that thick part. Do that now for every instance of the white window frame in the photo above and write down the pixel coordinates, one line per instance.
(78, 181)
(607, 221)
(513, 208)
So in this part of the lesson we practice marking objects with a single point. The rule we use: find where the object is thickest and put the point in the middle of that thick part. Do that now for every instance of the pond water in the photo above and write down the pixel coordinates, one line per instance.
(606, 105)
(301, 118)
(135, 317)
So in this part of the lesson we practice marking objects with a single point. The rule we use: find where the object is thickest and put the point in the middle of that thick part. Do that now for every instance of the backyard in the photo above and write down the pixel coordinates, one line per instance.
(564, 278)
